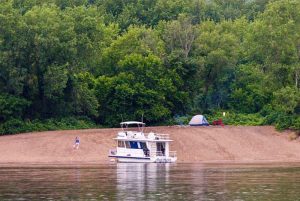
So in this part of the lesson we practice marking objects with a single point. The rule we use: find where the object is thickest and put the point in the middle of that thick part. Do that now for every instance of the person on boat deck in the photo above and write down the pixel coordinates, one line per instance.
(146, 151)
(163, 150)
(77, 142)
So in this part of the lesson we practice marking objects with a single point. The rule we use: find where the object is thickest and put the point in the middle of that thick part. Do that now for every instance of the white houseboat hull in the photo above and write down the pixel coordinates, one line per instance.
(123, 159)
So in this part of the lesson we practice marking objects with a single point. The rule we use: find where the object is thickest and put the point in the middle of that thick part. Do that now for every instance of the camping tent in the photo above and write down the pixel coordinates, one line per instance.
(198, 120)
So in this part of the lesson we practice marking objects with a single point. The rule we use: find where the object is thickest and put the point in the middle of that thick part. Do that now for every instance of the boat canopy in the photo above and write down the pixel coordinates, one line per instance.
(132, 125)
(131, 122)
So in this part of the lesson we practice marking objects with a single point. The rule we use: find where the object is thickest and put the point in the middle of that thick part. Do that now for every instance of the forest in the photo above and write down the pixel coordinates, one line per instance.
(68, 64)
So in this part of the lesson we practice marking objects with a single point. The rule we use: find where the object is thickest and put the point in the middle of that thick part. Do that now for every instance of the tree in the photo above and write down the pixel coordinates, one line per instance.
(140, 88)
(218, 50)
(92, 36)
(248, 92)
(286, 100)
(274, 36)
(12, 74)
(137, 40)
(12, 107)
(179, 35)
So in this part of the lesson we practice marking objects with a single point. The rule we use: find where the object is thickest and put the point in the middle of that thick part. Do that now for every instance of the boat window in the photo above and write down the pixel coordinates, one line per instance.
(134, 145)
(127, 144)
(160, 148)
(121, 144)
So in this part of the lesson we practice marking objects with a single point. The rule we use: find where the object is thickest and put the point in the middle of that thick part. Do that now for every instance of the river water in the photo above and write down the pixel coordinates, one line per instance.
(151, 182)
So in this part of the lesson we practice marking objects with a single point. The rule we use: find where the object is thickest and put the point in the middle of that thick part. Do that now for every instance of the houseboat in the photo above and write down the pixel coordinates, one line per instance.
(133, 145)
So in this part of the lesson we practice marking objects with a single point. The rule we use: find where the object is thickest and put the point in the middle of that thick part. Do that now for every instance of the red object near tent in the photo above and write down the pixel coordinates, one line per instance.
(218, 122)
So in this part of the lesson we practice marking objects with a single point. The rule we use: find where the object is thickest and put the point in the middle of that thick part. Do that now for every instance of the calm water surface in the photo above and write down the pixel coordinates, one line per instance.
(152, 182)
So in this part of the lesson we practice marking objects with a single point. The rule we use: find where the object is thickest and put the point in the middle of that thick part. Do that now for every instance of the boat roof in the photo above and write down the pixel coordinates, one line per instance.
(141, 140)
(132, 122)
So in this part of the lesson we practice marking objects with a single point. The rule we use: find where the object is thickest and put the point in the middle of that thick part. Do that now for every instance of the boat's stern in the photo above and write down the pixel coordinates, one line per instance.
(171, 158)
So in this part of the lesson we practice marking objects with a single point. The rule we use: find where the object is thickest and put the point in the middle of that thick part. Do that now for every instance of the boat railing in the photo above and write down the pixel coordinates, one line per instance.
(161, 136)
(173, 154)
(159, 153)
(112, 152)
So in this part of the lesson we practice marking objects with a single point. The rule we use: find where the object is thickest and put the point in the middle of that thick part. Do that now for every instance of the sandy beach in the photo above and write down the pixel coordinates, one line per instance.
(193, 145)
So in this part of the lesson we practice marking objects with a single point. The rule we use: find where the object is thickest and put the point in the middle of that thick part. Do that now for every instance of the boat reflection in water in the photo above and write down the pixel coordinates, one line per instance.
(139, 181)
(206, 182)
(152, 181)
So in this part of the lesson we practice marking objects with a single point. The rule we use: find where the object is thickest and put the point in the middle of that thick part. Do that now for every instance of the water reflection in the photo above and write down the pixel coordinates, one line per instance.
(152, 182)
(141, 181)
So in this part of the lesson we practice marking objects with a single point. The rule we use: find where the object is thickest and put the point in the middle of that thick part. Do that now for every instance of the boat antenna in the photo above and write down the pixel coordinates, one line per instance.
(142, 117)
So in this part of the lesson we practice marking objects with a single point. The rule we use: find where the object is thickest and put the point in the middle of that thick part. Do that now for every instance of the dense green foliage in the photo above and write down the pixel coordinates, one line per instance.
(18, 126)
(113, 60)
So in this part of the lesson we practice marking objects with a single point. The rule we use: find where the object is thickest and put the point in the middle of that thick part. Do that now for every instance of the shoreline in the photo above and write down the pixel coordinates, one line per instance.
(113, 164)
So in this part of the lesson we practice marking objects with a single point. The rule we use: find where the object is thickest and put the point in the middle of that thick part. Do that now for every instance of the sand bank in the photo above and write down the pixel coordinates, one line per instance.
(193, 145)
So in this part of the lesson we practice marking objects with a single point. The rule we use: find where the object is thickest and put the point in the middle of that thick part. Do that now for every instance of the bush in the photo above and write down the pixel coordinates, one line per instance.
(283, 121)
(182, 120)
(267, 116)
(296, 124)
(14, 126)
(12, 106)
(232, 118)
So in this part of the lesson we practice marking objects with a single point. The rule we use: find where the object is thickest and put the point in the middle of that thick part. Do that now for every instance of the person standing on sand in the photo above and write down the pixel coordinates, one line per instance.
(77, 142)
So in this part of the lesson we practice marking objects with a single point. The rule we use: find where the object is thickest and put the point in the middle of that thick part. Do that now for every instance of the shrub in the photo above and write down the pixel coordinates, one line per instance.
(232, 118)
(296, 124)
(182, 120)
(14, 126)
(283, 120)
(12, 106)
